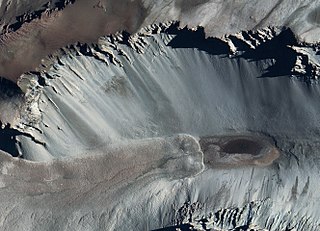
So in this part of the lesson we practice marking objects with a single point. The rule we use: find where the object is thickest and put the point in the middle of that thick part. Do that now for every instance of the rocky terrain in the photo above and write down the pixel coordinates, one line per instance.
(159, 115)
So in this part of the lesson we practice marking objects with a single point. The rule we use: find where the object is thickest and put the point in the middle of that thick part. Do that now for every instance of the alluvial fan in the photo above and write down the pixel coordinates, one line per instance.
(164, 129)
(173, 125)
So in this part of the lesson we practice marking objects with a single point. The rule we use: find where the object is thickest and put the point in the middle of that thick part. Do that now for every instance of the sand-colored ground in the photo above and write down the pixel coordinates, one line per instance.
(84, 22)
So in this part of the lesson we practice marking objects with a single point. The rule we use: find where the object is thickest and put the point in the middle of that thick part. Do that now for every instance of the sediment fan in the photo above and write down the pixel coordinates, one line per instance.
(159, 115)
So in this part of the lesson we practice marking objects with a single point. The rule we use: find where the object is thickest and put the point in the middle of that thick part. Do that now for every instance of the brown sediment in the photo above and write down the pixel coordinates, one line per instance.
(84, 22)
(238, 151)
(268, 158)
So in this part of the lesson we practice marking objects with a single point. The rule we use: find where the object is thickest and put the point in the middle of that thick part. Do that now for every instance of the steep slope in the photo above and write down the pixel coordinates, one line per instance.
(108, 142)
(166, 128)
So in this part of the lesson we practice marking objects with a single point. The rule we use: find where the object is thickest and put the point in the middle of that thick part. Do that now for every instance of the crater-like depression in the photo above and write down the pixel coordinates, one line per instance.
(233, 151)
